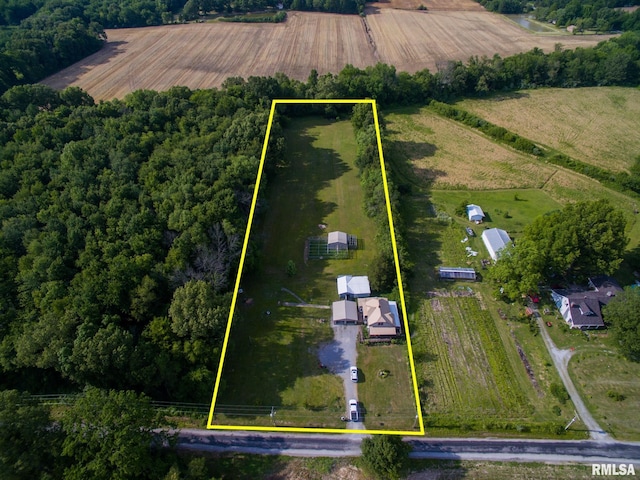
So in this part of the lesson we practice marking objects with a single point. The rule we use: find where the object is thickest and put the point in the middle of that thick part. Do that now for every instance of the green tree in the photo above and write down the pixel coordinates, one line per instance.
(291, 268)
(196, 312)
(385, 455)
(29, 442)
(623, 313)
(110, 435)
(583, 239)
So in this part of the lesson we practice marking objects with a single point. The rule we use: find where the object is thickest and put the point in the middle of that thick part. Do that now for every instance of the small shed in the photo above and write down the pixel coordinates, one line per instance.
(338, 241)
(344, 311)
(457, 273)
(495, 240)
(475, 213)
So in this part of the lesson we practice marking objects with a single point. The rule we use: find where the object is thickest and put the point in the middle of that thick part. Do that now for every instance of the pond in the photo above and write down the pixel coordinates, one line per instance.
(527, 22)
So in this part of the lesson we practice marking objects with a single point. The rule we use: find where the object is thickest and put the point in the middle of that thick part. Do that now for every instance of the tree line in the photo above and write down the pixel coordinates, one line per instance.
(598, 15)
(382, 271)
(99, 434)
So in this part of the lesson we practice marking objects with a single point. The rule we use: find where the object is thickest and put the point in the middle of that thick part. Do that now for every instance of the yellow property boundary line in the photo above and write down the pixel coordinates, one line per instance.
(210, 425)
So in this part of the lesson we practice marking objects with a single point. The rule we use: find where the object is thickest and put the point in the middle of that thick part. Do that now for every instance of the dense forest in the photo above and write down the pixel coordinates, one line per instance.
(597, 15)
(120, 227)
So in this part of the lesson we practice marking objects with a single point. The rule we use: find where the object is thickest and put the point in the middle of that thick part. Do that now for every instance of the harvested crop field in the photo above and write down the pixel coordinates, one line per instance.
(450, 156)
(204, 55)
(414, 40)
(431, 5)
(596, 125)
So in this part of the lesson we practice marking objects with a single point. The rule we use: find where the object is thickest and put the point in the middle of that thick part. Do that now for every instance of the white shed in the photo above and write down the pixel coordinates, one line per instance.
(353, 286)
(495, 240)
(475, 213)
(338, 241)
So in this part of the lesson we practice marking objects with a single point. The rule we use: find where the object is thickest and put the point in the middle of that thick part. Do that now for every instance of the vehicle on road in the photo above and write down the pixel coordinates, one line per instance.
(354, 373)
(353, 410)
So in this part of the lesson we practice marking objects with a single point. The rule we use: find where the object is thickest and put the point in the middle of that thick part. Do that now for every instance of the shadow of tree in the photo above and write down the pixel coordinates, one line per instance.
(269, 354)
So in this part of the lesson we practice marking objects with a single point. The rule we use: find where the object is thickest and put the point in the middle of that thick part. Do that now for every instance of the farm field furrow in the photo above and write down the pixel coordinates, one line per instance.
(205, 55)
(431, 5)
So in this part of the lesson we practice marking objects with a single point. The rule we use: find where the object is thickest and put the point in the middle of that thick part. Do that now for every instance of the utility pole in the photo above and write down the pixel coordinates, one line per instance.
(575, 417)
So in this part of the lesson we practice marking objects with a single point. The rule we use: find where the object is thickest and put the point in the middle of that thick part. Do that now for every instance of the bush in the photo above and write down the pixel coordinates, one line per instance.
(461, 209)
(559, 392)
(385, 456)
(617, 396)
(291, 268)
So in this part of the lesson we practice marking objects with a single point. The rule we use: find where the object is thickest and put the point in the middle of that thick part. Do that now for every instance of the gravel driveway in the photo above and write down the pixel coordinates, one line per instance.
(561, 359)
(338, 356)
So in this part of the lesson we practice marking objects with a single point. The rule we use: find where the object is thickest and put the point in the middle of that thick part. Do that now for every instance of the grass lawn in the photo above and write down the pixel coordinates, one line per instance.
(601, 374)
(272, 359)
(452, 469)
(595, 125)
(511, 210)
(388, 400)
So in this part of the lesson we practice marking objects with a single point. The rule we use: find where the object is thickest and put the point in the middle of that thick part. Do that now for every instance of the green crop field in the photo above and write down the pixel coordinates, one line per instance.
(597, 125)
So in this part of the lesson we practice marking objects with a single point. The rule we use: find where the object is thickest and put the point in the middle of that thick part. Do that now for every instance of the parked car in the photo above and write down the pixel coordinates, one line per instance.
(354, 373)
(470, 232)
(353, 410)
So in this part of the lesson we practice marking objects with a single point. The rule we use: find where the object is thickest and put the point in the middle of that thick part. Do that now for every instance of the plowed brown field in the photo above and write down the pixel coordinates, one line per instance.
(431, 5)
(204, 55)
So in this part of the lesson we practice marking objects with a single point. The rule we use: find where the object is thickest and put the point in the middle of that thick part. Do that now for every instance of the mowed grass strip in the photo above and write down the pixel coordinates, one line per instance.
(609, 386)
(597, 125)
(511, 210)
(387, 398)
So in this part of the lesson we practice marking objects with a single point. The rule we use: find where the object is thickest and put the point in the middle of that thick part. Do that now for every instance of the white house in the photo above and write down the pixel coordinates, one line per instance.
(582, 308)
(353, 286)
(475, 213)
(495, 240)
